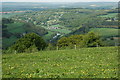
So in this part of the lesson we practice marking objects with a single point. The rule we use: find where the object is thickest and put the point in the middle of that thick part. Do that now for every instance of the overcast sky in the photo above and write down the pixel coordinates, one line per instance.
(60, 0)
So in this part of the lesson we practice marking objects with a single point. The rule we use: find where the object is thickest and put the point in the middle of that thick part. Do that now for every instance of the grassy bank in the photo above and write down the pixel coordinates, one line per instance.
(81, 63)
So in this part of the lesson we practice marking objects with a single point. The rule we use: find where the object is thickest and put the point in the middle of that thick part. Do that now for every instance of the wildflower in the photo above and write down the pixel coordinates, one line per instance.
(72, 72)
(12, 68)
(102, 69)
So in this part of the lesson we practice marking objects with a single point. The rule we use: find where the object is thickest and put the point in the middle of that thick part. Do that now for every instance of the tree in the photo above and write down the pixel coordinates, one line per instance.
(29, 41)
(5, 20)
(63, 42)
(92, 40)
(71, 41)
(87, 40)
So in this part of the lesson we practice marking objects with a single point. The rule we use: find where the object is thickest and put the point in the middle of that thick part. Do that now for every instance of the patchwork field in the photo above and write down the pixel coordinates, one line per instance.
(16, 27)
(99, 62)
(8, 15)
(110, 15)
(106, 32)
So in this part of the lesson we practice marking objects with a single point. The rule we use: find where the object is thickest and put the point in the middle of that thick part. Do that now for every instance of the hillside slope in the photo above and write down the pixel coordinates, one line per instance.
(99, 62)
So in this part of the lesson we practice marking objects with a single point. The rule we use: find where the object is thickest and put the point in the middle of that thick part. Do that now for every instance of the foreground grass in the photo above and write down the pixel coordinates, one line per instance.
(81, 63)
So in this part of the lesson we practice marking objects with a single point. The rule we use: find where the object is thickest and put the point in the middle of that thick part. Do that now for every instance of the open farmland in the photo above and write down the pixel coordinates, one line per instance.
(16, 27)
(99, 62)
(110, 15)
(106, 32)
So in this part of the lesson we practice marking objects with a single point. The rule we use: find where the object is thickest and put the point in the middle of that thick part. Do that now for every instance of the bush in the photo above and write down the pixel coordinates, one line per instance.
(31, 49)
(51, 47)
(78, 41)
(71, 42)
(29, 43)
(93, 40)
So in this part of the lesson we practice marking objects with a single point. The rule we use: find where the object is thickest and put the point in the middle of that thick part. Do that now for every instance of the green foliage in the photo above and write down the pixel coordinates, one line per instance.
(29, 42)
(15, 29)
(92, 40)
(31, 49)
(5, 20)
(50, 47)
(101, 62)
(86, 40)
(66, 21)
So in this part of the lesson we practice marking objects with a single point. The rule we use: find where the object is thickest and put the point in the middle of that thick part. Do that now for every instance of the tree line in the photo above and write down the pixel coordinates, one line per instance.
(32, 42)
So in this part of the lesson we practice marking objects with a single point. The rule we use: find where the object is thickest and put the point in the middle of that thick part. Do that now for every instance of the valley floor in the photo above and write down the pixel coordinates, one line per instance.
(99, 62)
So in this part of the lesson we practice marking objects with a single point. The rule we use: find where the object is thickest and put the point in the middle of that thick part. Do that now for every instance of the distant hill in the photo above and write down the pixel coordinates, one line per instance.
(38, 6)
(51, 21)
(13, 30)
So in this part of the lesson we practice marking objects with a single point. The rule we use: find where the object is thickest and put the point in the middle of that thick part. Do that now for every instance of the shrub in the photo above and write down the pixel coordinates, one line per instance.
(51, 47)
(78, 41)
(93, 40)
(30, 42)
(31, 49)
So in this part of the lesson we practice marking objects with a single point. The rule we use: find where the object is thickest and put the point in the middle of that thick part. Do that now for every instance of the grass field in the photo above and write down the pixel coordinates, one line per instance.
(57, 26)
(81, 63)
(11, 15)
(9, 41)
(64, 30)
(110, 15)
(16, 27)
(48, 36)
(106, 32)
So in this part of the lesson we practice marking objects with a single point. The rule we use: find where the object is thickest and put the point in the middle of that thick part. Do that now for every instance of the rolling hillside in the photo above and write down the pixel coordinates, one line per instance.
(52, 24)
(101, 62)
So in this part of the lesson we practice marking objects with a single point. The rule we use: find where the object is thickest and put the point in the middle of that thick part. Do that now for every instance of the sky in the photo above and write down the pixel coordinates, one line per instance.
(60, 0)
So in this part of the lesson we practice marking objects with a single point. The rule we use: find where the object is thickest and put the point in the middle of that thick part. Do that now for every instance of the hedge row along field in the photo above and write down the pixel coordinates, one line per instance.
(99, 62)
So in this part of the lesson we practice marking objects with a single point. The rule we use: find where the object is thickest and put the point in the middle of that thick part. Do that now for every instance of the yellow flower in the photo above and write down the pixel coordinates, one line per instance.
(94, 74)
(12, 68)
(30, 75)
(102, 69)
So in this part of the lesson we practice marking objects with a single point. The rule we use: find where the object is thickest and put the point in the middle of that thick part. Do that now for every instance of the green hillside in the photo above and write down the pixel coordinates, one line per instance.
(110, 15)
(13, 30)
(52, 24)
(99, 62)
(64, 40)
(106, 32)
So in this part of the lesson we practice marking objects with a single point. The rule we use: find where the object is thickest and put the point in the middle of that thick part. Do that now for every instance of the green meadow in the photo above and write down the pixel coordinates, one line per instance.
(98, 62)
(110, 15)
(105, 32)
(16, 27)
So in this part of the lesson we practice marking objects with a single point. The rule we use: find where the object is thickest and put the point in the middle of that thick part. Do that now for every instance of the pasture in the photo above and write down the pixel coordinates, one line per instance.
(99, 62)
(105, 32)
(61, 29)
(9, 15)
(110, 15)
(16, 27)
